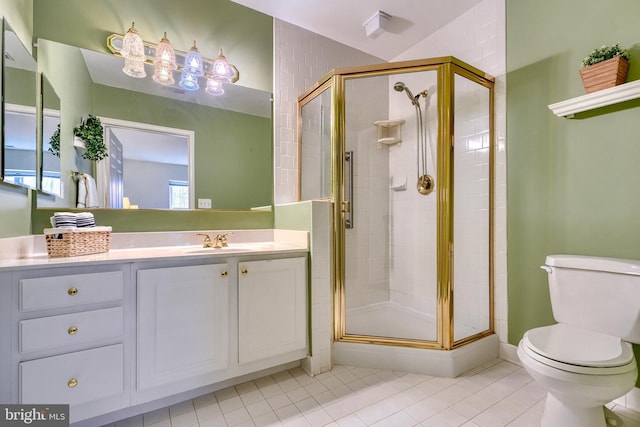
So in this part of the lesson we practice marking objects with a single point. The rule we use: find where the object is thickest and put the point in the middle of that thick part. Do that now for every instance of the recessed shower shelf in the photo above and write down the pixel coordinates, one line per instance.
(601, 98)
(389, 132)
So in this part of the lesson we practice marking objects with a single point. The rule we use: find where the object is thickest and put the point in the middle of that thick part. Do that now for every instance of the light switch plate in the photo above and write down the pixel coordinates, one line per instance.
(204, 203)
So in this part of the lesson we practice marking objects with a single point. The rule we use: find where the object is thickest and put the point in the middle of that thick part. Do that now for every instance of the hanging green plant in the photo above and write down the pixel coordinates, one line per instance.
(54, 142)
(92, 133)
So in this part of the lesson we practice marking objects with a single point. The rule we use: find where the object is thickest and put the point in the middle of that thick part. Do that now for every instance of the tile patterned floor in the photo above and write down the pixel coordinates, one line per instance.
(497, 394)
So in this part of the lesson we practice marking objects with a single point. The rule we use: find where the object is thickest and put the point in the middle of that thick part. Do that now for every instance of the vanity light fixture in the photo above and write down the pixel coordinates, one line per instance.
(214, 87)
(188, 81)
(192, 69)
(193, 63)
(164, 62)
(221, 70)
(133, 54)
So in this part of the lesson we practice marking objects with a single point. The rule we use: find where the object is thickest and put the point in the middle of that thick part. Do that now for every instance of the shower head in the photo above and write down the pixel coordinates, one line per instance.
(401, 87)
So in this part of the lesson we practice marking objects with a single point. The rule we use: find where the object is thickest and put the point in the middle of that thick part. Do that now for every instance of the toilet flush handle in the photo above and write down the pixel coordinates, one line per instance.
(546, 268)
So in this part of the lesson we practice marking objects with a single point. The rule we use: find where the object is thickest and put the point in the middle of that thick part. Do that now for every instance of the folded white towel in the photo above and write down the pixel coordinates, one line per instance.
(87, 191)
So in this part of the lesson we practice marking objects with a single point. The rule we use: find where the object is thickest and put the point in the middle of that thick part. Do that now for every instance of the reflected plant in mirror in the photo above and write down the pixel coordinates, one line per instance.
(19, 95)
(91, 132)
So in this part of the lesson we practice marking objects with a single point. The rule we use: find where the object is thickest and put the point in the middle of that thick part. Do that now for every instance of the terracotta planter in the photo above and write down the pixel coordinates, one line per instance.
(605, 74)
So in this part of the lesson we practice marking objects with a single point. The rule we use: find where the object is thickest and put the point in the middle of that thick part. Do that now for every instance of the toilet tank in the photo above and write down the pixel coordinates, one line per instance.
(599, 294)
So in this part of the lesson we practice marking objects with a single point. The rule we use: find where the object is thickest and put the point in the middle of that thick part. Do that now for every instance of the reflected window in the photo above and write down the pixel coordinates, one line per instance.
(178, 194)
(25, 178)
(51, 182)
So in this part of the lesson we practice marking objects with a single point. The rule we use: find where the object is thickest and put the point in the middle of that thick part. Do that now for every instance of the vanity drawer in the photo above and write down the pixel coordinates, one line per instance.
(64, 291)
(53, 332)
(73, 378)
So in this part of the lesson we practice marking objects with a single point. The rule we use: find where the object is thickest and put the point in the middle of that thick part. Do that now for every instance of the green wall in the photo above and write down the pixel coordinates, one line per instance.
(572, 183)
(22, 90)
(130, 220)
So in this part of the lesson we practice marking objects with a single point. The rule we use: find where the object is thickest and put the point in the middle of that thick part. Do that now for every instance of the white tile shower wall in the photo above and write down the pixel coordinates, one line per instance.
(301, 58)
(413, 217)
(311, 155)
(478, 38)
(471, 215)
(367, 243)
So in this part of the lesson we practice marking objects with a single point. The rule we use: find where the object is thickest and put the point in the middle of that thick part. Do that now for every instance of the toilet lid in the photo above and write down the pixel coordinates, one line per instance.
(579, 347)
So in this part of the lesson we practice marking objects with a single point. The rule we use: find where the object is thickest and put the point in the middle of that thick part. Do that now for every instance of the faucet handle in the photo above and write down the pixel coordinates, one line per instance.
(221, 239)
(206, 242)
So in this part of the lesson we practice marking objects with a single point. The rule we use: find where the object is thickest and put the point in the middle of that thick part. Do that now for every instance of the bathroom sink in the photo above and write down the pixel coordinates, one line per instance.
(231, 248)
(216, 250)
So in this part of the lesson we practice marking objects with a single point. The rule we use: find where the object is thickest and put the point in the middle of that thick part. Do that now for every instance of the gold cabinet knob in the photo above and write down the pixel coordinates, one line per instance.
(72, 330)
(72, 291)
(244, 271)
(224, 273)
(72, 382)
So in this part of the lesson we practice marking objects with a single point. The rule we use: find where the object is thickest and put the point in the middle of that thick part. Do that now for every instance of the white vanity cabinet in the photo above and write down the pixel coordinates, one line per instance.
(122, 334)
(183, 328)
(272, 309)
(68, 325)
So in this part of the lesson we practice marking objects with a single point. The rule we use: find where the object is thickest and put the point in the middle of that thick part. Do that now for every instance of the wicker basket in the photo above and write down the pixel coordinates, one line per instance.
(64, 242)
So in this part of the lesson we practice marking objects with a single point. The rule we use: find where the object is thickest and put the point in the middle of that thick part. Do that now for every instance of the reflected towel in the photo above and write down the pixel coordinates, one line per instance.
(87, 191)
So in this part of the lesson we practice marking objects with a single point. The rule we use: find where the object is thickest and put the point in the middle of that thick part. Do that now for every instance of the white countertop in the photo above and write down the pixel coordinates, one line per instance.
(29, 251)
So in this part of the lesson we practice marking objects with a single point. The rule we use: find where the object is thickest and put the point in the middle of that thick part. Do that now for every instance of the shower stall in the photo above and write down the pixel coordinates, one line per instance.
(405, 151)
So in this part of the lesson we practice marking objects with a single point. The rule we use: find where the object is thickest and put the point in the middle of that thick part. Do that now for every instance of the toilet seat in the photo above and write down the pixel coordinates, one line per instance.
(578, 350)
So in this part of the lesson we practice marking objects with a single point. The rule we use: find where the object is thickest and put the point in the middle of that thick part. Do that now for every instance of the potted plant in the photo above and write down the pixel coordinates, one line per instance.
(92, 134)
(54, 142)
(605, 67)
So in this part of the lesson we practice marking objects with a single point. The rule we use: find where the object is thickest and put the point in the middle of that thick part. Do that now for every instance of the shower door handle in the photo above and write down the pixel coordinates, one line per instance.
(347, 204)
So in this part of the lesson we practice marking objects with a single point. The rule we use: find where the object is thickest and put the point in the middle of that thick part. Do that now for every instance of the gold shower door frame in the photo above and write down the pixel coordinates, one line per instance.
(447, 68)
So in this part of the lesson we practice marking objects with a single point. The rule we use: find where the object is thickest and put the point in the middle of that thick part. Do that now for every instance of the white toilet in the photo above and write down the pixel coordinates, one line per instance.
(585, 360)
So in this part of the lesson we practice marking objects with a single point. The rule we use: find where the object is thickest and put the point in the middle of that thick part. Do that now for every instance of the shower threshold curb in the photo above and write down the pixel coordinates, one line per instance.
(442, 363)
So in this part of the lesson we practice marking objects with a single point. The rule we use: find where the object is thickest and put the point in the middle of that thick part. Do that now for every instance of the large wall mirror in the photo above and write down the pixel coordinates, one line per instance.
(174, 141)
(19, 111)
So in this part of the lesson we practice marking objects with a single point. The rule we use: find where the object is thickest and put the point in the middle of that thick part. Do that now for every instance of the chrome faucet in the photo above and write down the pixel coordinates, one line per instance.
(206, 242)
(220, 241)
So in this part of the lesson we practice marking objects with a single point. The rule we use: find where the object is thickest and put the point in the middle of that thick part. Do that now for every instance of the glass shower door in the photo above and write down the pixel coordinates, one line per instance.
(390, 283)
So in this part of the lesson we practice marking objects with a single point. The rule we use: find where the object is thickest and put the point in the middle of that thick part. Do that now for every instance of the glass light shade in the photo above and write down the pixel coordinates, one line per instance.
(189, 81)
(221, 70)
(134, 68)
(163, 74)
(165, 55)
(193, 63)
(133, 53)
(214, 87)
(132, 45)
